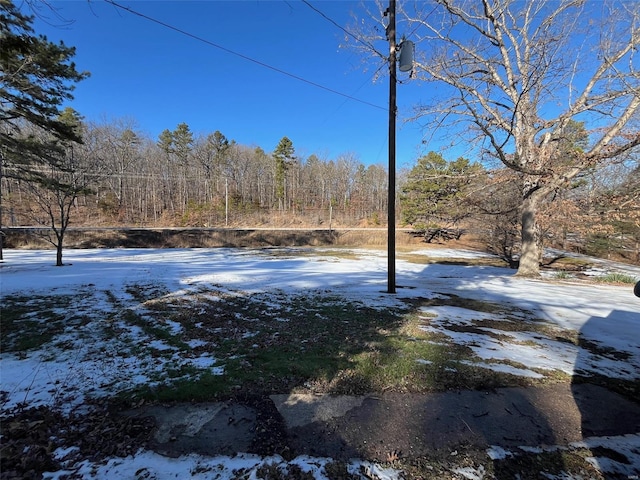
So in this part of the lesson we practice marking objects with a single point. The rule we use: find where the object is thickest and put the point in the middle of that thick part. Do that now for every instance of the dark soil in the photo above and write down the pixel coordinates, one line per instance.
(31, 436)
(425, 435)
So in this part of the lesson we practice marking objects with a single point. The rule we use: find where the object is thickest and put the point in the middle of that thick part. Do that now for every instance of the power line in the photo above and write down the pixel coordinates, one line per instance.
(330, 20)
(368, 45)
(244, 57)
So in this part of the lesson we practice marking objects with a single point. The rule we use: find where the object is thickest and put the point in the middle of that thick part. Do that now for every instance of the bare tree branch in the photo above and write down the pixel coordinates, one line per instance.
(508, 65)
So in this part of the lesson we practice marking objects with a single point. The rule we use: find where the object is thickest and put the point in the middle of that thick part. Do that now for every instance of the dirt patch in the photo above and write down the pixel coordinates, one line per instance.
(31, 436)
(506, 433)
(372, 427)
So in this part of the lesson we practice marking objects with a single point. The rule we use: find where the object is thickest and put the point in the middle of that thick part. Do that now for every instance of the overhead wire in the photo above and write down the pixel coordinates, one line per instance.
(240, 55)
(366, 44)
(330, 20)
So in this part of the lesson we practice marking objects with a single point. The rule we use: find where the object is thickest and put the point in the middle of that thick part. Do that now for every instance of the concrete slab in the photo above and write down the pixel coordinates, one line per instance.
(301, 409)
(373, 427)
(208, 429)
(419, 424)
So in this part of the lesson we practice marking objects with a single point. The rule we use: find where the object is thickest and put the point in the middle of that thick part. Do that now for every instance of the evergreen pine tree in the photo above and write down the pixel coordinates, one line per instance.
(283, 155)
(36, 77)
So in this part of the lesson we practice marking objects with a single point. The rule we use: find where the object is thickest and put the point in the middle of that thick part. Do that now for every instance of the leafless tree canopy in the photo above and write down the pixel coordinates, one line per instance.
(515, 76)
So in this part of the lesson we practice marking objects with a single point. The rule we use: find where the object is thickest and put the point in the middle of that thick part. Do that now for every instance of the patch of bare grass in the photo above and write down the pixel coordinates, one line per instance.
(479, 261)
(270, 343)
(323, 343)
(30, 323)
(569, 264)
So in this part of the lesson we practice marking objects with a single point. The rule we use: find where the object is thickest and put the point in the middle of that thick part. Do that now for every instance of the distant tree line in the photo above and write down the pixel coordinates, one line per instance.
(120, 177)
(181, 179)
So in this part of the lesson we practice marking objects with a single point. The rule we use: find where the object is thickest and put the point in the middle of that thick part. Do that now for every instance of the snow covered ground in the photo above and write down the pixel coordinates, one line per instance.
(76, 364)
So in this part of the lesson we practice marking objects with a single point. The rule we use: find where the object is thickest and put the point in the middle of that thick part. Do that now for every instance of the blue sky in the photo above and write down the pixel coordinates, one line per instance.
(159, 77)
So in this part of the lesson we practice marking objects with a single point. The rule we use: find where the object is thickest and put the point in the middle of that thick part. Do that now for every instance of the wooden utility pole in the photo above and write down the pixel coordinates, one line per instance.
(391, 214)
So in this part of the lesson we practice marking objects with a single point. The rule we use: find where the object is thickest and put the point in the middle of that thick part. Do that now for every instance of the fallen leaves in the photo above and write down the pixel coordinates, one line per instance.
(32, 437)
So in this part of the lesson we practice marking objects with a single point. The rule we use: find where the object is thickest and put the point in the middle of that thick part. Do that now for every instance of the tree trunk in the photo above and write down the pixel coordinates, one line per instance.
(529, 265)
(59, 255)
(60, 237)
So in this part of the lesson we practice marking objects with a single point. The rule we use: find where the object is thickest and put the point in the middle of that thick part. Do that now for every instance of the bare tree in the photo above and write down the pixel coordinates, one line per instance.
(56, 186)
(123, 142)
(516, 75)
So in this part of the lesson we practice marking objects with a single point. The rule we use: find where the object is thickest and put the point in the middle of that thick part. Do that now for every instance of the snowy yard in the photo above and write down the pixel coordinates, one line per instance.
(114, 322)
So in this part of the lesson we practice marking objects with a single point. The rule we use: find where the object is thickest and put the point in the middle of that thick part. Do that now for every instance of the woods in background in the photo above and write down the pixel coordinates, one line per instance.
(125, 178)
(567, 175)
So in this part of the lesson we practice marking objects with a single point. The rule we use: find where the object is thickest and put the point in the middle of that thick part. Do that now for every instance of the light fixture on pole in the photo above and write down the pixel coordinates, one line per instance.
(407, 48)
